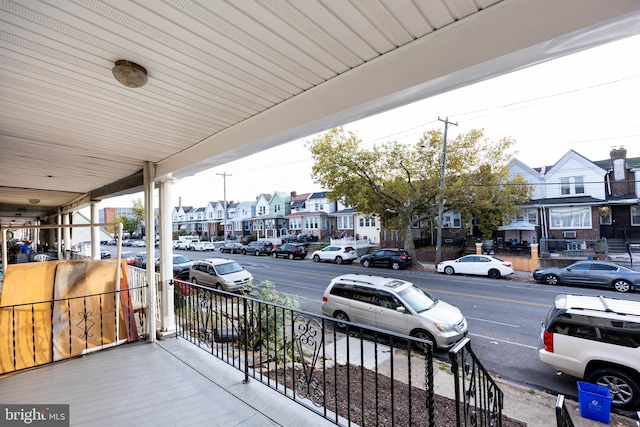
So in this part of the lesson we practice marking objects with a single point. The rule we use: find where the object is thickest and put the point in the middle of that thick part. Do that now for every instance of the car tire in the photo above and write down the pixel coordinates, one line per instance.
(257, 253)
(494, 274)
(316, 258)
(424, 335)
(274, 254)
(551, 279)
(291, 256)
(338, 260)
(621, 285)
(219, 287)
(340, 317)
(366, 263)
(448, 270)
(194, 281)
(395, 265)
(624, 388)
(244, 252)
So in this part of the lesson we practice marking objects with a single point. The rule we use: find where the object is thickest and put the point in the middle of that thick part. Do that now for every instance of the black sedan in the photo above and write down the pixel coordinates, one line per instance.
(390, 258)
(232, 248)
(181, 265)
(590, 273)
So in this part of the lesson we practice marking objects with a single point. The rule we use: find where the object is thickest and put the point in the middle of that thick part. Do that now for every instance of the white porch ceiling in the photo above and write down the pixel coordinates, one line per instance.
(231, 78)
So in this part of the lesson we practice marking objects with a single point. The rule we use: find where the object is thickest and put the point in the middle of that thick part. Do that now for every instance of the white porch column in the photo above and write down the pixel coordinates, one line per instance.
(95, 232)
(67, 235)
(149, 211)
(167, 313)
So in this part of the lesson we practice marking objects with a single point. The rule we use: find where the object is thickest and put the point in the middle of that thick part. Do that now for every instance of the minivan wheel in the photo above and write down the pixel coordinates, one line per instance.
(423, 335)
(621, 285)
(551, 279)
(340, 319)
(194, 281)
(494, 274)
(624, 389)
(316, 258)
(219, 287)
(395, 266)
(338, 260)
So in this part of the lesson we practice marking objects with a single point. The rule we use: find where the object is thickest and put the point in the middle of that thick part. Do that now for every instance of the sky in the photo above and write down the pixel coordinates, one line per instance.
(586, 102)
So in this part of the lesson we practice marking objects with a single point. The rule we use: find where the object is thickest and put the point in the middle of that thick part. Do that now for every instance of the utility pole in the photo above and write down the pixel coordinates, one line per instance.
(224, 180)
(441, 192)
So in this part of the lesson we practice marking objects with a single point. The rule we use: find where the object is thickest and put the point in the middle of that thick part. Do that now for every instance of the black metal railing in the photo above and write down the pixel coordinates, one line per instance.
(359, 375)
(563, 417)
(43, 332)
(479, 400)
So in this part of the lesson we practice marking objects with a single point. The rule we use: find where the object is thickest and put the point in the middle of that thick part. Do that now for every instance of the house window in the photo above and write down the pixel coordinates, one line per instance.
(635, 215)
(570, 218)
(565, 187)
(345, 222)
(262, 210)
(367, 222)
(311, 223)
(295, 224)
(532, 216)
(579, 184)
(451, 219)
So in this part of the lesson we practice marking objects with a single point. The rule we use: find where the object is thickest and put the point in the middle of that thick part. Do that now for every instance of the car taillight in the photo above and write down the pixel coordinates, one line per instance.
(324, 299)
(547, 340)
(403, 257)
(506, 264)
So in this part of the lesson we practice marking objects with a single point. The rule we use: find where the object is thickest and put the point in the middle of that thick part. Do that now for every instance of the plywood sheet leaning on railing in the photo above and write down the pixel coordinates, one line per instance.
(84, 314)
(69, 309)
(25, 330)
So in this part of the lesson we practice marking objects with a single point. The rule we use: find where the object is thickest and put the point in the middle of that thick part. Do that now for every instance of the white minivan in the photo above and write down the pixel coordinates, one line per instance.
(394, 305)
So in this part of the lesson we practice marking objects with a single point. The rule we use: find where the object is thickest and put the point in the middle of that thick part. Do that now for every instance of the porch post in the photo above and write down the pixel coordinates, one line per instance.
(148, 174)
(95, 231)
(67, 235)
(167, 314)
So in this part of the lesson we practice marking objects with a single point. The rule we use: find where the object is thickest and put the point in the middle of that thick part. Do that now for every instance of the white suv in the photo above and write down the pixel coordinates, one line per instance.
(596, 339)
(394, 305)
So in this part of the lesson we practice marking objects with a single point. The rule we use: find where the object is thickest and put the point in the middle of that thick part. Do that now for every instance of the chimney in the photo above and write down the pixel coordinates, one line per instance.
(618, 153)
(179, 202)
(293, 194)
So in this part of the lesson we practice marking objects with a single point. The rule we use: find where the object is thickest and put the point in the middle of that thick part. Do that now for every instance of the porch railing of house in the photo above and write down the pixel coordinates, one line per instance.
(137, 279)
(43, 332)
(573, 247)
(563, 416)
(357, 375)
(479, 400)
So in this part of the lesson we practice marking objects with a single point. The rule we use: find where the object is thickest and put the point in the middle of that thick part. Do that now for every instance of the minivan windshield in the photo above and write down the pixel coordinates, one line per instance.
(228, 268)
(417, 299)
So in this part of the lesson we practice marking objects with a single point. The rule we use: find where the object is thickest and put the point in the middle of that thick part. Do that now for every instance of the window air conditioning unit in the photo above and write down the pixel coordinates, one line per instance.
(569, 234)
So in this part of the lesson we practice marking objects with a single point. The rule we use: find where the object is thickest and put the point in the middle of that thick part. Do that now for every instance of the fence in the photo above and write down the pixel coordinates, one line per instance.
(571, 248)
(479, 400)
(358, 375)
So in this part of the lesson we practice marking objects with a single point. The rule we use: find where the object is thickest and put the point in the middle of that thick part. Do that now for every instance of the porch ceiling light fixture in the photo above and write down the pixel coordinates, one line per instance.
(129, 73)
(34, 201)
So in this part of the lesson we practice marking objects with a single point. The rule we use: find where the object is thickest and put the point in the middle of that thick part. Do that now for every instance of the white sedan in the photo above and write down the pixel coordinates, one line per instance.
(337, 254)
(483, 265)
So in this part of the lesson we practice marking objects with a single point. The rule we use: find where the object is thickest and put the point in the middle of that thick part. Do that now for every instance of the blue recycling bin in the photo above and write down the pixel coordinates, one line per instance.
(26, 249)
(594, 401)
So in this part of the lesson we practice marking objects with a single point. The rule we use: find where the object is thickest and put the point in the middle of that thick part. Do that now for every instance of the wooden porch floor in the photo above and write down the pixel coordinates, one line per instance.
(167, 383)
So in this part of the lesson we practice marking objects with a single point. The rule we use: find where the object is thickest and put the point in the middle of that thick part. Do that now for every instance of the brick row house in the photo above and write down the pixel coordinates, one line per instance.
(276, 216)
(580, 199)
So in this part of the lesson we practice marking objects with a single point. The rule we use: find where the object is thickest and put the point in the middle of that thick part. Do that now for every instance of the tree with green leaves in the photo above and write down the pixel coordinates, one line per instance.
(130, 223)
(401, 183)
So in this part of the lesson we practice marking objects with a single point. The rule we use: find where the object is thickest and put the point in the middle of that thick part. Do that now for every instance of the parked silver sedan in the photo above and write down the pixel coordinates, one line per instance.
(590, 273)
